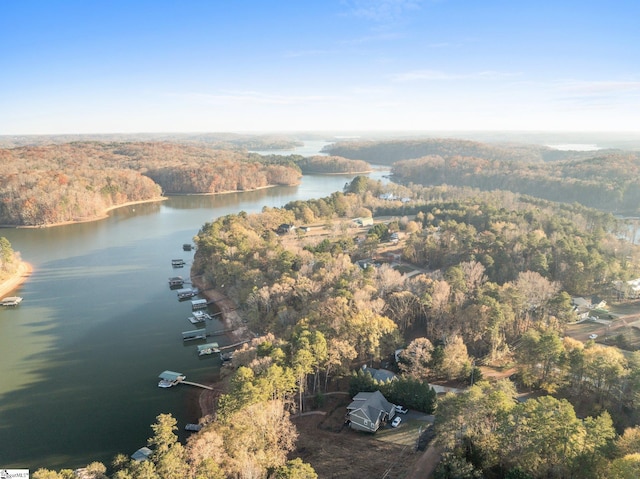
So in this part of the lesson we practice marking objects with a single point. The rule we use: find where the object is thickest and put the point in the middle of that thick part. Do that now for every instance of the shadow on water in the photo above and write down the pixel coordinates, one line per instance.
(94, 391)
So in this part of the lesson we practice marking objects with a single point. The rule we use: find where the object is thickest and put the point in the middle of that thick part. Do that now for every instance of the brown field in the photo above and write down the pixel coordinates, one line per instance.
(623, 330)
(335, 451)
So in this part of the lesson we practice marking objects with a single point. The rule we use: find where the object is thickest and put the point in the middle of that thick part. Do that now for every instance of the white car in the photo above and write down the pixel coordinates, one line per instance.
(396, 421)
(593, 336)
(401, 409)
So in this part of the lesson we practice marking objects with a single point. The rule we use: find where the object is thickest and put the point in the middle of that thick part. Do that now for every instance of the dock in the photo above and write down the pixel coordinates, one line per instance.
(177, 263)
(220, 332)
(172, 378)
(11, 301)
(198, 385)
(194, 334)
(209, 348)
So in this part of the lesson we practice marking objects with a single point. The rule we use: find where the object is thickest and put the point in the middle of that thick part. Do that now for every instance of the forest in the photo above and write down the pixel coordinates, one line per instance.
(607, 179)
(9, 259)
(390, 151)
(497, 274)
(44, 185)
(52, 184)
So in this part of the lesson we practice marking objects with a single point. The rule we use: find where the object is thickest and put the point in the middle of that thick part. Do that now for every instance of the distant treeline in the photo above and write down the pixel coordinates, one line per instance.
(43, 185)
(606, 179)
(388, 152)
(607, 182)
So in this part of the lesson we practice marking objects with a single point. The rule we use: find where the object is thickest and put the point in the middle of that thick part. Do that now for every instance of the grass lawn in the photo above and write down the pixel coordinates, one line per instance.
(406, 434)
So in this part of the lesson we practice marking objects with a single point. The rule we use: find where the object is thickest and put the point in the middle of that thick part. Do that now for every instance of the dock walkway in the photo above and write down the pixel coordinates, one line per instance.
(190, 383)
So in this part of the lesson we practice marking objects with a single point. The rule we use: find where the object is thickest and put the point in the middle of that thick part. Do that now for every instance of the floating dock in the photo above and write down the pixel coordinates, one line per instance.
(195, 334)
(176, 281)
(209, 348)
(170, 378)
(187, 246)
(177, 263)
(199, 304)
(186, 293)
(11, 301)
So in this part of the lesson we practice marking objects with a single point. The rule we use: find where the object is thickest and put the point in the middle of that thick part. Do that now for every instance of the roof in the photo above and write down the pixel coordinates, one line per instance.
(170, 375)
(141, 454)
(204, 347)
(372, 404)
(380, 374)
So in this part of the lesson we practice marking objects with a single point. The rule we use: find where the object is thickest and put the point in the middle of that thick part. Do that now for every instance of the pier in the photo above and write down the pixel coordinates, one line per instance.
(197, 385)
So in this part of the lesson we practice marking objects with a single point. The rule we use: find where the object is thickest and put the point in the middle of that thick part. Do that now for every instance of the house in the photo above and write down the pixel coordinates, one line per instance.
(628, 289)
(285, 228)
(364, 221)
(368, 411)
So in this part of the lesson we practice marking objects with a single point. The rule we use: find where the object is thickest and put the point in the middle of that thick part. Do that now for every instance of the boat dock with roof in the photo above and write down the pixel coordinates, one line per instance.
(195, 334)
(177, 263)
(199, 304)
(186, 293)
(11, 301)
(170, 378)
(209, 348)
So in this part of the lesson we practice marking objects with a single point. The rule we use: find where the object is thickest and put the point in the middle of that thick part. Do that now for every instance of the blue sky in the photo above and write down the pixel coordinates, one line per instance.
(96, 66)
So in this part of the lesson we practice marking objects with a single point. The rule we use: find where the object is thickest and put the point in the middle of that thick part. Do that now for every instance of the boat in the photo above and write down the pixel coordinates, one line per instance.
(11, 301)
(209, 348)
(226, 356)
(186, 293)
(177, 263)
(170, 378)
(198, 317)
(195, 334)
(193, 427)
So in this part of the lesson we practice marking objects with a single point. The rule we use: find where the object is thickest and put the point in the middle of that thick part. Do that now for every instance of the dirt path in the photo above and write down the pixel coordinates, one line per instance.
(425, 466)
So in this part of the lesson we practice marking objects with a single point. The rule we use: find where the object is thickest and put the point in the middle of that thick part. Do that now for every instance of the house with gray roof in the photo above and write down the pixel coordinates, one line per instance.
(368, 411)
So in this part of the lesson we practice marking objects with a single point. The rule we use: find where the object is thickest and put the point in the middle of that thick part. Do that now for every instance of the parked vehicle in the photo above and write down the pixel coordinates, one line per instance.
(401, 410)
(396, 421)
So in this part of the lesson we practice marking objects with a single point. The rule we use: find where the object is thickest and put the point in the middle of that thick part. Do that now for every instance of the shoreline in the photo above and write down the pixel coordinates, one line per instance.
(230, 318)
(17, 279)
(105, 213)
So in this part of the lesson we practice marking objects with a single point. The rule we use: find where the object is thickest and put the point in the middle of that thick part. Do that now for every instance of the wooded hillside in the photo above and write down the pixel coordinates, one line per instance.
(41, 185)
(609, 182)
(388, 152)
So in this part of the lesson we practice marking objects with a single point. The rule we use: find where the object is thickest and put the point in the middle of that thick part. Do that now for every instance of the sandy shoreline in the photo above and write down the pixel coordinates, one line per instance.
(20, 276)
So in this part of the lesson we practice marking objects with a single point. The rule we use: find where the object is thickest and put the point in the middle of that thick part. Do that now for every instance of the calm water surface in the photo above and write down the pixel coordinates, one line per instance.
(81, 355)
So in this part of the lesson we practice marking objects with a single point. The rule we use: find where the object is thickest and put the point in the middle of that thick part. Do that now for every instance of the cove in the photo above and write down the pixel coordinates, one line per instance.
(81, 354)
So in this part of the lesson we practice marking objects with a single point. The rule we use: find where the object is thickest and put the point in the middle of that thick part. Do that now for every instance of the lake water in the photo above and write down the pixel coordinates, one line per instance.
(81, 354)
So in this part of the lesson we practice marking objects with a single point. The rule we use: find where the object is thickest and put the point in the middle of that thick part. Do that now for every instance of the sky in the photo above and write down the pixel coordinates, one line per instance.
(112, 66)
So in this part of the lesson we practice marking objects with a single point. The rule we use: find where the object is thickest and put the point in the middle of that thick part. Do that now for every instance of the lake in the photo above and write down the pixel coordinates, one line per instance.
(81, 355)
